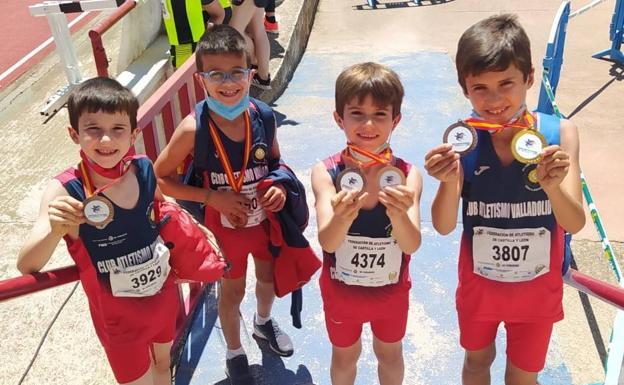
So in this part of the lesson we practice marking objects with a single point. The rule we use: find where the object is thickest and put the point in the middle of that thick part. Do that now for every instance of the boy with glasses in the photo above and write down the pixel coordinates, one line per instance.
(233, 143)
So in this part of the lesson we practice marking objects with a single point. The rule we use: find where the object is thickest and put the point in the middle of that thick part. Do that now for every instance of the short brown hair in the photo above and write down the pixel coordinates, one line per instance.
(101, 94)
(493, 44)
(221, 39)
(376, 80)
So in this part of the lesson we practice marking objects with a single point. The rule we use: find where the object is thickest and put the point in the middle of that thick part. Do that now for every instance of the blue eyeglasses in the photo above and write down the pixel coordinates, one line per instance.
(236, 75)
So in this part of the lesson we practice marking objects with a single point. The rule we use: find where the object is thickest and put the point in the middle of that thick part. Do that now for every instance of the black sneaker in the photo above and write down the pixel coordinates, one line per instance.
(278, 341)
(237, 370)
(261, 83)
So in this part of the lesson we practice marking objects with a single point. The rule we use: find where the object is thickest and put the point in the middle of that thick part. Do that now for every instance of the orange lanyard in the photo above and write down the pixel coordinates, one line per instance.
(88, 185)
(384, 157)
(236, 183)
(483, 125)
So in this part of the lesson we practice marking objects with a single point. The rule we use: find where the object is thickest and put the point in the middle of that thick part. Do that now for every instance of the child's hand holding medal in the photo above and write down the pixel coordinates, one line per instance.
(526, 145)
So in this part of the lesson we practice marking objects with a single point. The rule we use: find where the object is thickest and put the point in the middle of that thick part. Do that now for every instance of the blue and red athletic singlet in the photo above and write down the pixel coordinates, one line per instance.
(125, 243)
(257, 165)
(509, 223)
(349, 302)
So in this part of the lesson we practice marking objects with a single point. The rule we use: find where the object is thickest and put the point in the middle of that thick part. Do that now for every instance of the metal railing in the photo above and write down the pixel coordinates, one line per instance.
(95, 34)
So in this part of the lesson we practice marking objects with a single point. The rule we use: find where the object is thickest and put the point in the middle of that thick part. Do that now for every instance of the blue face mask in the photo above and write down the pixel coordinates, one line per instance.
(228, 112)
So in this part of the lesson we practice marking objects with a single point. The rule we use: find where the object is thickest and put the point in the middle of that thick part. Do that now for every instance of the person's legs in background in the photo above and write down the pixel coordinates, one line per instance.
(270, 22)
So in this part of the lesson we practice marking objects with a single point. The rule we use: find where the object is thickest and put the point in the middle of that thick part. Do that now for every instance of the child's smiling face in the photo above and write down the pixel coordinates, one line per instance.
(497, 95)
(367, 124)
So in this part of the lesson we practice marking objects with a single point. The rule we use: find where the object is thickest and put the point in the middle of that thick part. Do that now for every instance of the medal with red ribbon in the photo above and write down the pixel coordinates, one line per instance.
(480, 124)
(354, 179)
(98, 210)
(235, 183)
(526, 145)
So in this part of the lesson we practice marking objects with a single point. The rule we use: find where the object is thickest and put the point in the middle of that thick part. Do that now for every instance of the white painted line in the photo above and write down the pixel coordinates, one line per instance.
(38, 49)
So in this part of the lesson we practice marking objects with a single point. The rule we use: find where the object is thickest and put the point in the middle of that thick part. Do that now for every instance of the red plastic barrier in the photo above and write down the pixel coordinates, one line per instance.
(604, 291)
(31, 283)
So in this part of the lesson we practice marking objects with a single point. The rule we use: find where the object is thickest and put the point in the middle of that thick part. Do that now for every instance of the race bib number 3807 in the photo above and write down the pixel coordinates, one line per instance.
(511, 255)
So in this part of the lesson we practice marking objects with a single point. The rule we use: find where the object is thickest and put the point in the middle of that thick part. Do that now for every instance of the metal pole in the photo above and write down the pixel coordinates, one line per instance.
(64, 46)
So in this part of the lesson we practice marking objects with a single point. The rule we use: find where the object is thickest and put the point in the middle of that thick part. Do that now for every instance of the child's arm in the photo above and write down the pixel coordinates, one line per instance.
(443, 164)
(559, 174)
(334, 212)
(403, 208)
(58, 215)
(181, 144)
(274, 197)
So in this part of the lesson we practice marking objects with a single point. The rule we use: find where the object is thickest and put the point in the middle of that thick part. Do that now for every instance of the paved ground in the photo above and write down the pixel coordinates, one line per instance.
(420, 41)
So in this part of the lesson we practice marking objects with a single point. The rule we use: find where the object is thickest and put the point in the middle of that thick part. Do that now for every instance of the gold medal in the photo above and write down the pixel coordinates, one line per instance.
(98, 211)
(351, 179)
(462, 136)
(390, 176)
(259, 152)
(529, 174)
(527, 145)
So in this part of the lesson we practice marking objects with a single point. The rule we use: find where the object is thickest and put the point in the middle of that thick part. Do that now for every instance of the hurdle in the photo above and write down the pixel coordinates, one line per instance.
(616, 33)
(553, 59)
(55, 12)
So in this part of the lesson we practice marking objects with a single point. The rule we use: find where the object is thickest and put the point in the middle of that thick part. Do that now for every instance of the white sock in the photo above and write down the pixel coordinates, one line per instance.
(262, 320)
(233, 353)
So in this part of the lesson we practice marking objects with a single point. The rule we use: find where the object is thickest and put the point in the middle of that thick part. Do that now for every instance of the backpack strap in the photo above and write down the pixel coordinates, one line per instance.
(268, 122)
(202, 136)
(267, 117)
(549, 126)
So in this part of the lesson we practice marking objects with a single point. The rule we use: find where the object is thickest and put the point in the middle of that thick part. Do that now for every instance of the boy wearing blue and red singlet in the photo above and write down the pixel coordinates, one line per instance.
(232, 140)
(514, 214)
(103, 209)
(367, 233)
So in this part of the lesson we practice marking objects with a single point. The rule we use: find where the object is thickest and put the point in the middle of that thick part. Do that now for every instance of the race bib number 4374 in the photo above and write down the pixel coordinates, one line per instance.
(365, 261)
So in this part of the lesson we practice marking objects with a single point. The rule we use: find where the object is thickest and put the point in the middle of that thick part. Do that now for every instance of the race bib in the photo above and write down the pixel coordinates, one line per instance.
(145, 279)
(365, 261)
(257, 214)
(511, 255)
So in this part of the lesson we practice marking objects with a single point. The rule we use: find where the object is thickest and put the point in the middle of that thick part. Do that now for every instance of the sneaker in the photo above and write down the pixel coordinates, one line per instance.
(271, 27)
(237, 370)
(278, 341)
(261, 83)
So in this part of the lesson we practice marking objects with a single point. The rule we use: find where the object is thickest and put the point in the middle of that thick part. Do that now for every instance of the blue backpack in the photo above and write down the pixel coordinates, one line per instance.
(549, 126)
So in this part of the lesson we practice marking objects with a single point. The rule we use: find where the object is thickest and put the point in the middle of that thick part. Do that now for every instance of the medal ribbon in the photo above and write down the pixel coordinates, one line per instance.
(383, 157)
(237, 183)
(88, 185)
(483, 125)
(117, 170)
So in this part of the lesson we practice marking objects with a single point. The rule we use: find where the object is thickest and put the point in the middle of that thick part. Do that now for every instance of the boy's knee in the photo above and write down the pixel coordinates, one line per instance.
(389, 357)
(264, 281)
(162, 366)
(344, 361)
(232, 295)
(474, 362)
